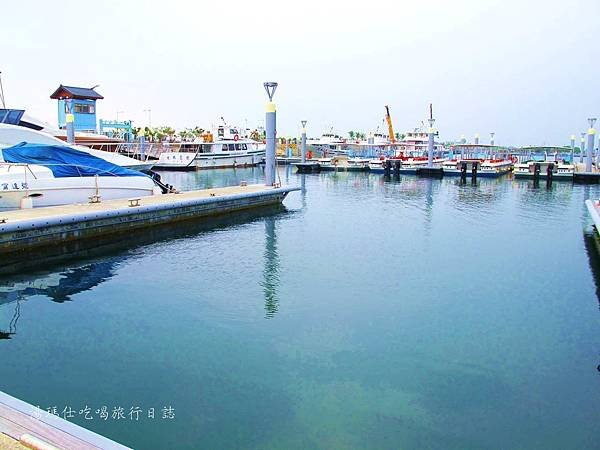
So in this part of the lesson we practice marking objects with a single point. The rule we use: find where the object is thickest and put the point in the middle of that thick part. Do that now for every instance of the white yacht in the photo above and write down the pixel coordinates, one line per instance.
(230, 149)
(13, 134)
(34, 175)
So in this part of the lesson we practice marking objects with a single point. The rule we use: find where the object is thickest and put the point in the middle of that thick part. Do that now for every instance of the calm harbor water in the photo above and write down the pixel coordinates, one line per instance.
(367, 313)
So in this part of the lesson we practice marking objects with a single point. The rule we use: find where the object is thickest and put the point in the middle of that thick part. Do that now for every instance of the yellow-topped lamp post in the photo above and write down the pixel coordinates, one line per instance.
(303, 142)
(431, 138)
(270, 131)
(590, 145)
(582, 149)
(70, 121)
(572, 149)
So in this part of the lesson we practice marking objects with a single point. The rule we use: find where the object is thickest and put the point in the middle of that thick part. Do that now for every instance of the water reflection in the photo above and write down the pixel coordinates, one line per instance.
(592, 248)
(58, 287)
(12, 326)
(98, 264)
(271, 270)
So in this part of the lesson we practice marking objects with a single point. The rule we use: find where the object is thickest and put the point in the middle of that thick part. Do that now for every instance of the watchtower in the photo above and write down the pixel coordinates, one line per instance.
(81, 103)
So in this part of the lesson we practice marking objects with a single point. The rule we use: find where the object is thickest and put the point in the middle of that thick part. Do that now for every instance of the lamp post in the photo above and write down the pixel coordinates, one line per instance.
(70, 120)
(582, 149)
(572, 149)
(431, 121)
(590, 144)
(271, 132)
(119, 112)
(303, 142)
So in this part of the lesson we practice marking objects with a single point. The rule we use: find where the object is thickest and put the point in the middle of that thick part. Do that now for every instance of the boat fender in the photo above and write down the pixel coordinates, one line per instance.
(26, 203)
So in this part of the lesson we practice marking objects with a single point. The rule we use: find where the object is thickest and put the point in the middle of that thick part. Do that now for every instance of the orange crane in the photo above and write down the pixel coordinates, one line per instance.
(388, 118)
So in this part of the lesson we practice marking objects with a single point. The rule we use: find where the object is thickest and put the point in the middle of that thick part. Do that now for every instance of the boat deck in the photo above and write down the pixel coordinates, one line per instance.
(25, 426)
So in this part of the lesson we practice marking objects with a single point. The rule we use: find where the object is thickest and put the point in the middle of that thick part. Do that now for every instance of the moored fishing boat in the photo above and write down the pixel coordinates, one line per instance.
(408, 164)
(482, 167)
(531, 169)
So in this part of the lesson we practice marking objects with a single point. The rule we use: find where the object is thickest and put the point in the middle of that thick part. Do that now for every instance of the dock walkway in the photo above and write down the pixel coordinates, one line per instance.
(25, 426)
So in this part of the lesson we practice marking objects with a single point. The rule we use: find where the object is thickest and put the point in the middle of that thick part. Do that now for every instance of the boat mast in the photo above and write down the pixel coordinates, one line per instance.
(2, 92)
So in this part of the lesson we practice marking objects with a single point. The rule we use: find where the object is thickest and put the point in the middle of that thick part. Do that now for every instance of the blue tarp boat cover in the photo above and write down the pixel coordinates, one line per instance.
(64, 161)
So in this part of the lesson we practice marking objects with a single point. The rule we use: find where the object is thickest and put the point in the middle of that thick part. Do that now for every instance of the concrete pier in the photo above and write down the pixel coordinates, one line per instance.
(25, 230)
(25, 426)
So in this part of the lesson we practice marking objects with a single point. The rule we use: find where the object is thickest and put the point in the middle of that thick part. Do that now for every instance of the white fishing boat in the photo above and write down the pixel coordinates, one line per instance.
(408, 164)
(329, 143)
(230, 149)
(483, 167)
(415, 143)
(35, 175)
(559, 169)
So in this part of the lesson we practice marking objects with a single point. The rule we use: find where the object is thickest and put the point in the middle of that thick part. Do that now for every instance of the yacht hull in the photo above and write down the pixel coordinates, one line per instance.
(62, 191)
(191, 161)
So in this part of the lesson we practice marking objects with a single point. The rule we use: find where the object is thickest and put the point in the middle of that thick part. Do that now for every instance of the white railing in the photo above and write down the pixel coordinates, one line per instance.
(144, 151)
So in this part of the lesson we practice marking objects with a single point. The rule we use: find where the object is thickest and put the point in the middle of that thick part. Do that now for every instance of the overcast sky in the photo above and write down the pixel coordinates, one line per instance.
(527, 70)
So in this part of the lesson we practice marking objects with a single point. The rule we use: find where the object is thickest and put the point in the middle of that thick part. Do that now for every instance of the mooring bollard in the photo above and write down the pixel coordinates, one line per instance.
(463, 169)
(549, 173)
(536, 171)
(474, 169)
(270, 129)
(397, 165)
(387, 168)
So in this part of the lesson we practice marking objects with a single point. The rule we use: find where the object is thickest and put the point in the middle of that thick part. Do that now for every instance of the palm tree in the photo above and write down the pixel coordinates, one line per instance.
(351, 134)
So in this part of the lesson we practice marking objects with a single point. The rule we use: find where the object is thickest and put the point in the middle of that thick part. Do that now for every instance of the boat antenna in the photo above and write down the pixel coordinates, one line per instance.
(2, 92)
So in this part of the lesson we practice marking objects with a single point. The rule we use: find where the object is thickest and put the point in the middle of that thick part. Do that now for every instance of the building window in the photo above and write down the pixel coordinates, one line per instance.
(82, 109)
